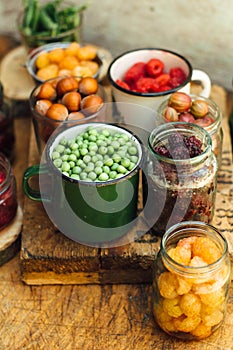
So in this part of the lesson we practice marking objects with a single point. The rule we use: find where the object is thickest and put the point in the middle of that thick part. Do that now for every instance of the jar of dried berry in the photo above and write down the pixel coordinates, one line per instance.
(191, 280)
(8, 194)
(195, 109)
(7, 138)
(180, 180)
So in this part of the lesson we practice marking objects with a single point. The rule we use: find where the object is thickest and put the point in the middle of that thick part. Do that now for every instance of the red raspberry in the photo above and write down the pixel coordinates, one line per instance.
(135, 72)
(122, 84)
(154, 67)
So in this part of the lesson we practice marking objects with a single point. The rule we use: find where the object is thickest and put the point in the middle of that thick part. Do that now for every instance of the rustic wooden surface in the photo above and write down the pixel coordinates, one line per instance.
(89, 317)
(48, 257)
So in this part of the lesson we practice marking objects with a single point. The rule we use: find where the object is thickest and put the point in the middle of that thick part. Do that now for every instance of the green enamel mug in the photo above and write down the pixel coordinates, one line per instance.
(91, 212)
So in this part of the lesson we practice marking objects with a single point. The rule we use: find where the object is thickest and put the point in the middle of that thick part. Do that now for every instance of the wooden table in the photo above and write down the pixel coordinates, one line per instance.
(90, 317)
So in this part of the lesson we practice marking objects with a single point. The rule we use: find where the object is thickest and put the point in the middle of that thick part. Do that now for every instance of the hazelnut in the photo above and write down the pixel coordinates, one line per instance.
(91, 104)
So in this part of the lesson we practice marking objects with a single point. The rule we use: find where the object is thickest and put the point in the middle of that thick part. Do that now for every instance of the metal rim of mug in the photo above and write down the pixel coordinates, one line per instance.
(53, 138)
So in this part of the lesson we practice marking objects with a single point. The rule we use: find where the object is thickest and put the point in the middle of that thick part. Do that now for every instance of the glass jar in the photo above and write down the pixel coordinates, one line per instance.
(8, 194)
(179, 186)
(191, 280)
(212, 123)
(34, 35)
(7, 138)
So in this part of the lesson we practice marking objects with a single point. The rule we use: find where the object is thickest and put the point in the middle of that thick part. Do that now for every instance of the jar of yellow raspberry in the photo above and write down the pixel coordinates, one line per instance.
(191, 280)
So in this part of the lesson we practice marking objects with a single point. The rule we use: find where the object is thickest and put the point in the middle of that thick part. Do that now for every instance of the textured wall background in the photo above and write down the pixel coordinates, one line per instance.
(200, 30)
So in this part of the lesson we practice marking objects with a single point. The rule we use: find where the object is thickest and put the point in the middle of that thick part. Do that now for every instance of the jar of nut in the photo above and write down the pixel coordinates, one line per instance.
(191, 280)
(181, 107)
(179, 183)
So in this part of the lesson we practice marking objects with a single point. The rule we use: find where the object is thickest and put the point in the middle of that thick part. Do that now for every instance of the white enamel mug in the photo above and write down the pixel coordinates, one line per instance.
(122, 63)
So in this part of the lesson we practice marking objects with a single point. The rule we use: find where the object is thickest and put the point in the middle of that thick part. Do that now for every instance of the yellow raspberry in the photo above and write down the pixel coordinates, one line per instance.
(213, 318)
(186, 324)
(202, 331)
(190, 305)
(180, 254)
(184, 285)
(167, 284)
(214, 299)
(206, 249)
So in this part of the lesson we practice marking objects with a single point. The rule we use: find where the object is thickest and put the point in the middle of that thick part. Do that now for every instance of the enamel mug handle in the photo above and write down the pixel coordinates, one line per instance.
(34, 170)
(204, 79)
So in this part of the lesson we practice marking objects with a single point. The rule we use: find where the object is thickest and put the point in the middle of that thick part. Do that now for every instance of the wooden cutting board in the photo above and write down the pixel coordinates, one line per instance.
(48, 257)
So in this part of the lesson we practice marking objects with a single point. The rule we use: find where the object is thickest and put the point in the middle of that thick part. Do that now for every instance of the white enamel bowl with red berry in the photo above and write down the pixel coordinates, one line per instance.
(148, 76)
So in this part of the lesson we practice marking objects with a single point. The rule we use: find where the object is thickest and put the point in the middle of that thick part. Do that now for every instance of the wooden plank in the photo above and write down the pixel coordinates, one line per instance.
(48, 257)
(88, 317)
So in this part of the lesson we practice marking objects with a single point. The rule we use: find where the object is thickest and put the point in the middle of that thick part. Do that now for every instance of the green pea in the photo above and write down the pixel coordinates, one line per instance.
(72, 163)
(93, 131)
(89, 168)
(74, 146)
(134, 159)
(121, 153)
(92, 137)
(55, 155)
(94, 158)
(110, 150)
(115, 144)
(106, 169)
(132, 150)
(116, 157)
(83, 175)
(85, 136)
(100, 157)
(131, 166)
(119, 175)
(105, 132)
(67, 151)
(108, 162)
(102, 137)
(59, 148)
(80, 163)
(77, 153)
(112, 174)
(63, 142)
(65, 166)
(72, 157)
(103, 177)
(92, 175)
(93, 148)
(83, 151)
(76, 170)
(75, 176)
(98, 170)
(57, 162)
(114, 166)
(125, 162)
(99, 163)
(65, 173)
(87, 158)
(65, 157)
(121, 141)
(121, 169)
(103, 150)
